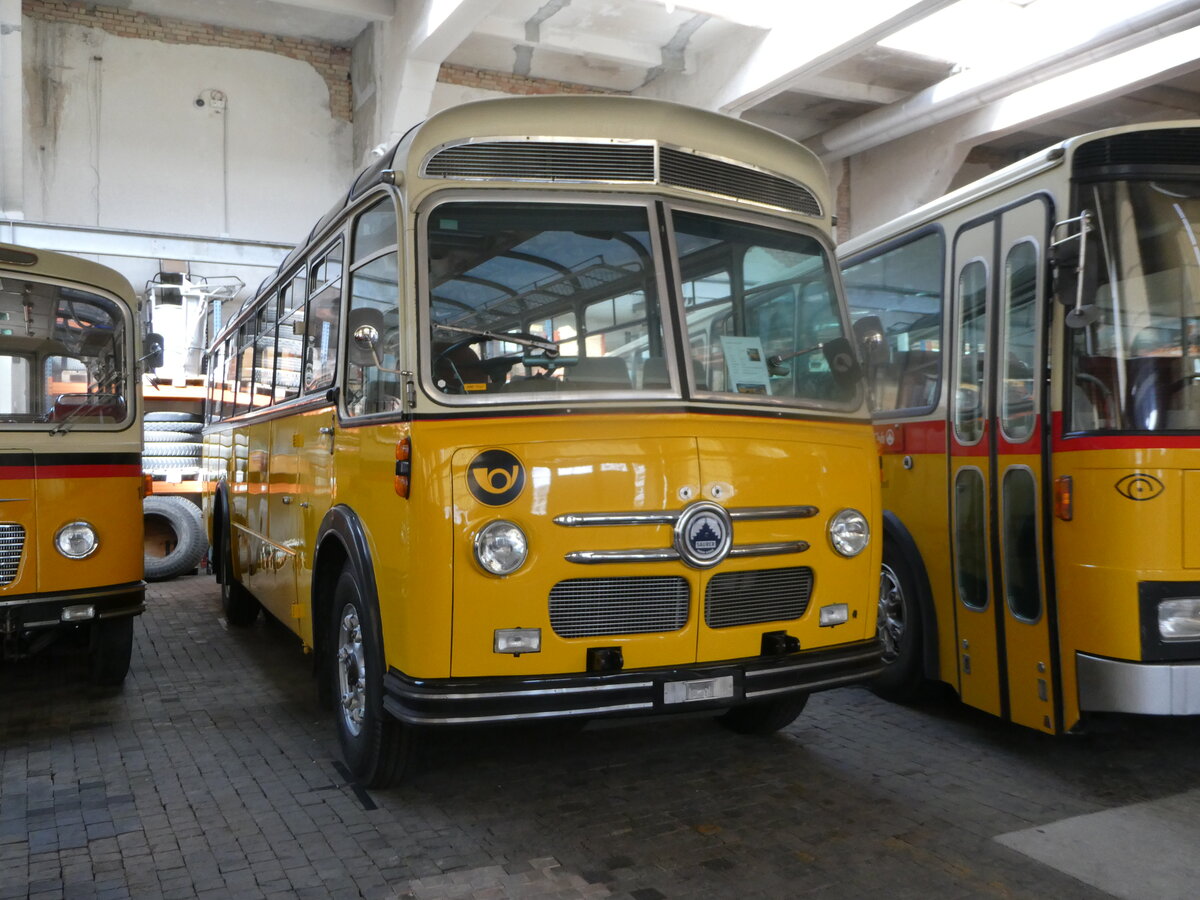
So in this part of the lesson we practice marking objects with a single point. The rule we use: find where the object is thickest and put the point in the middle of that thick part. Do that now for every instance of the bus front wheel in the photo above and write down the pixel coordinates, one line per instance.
(374, 744)
(237, 603)
(110, 650)
(764, 716)
(899, 629)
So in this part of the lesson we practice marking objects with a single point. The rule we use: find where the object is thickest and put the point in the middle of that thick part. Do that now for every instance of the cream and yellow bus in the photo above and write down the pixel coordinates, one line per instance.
(554, 415)
(70, 458)
(1036, 386)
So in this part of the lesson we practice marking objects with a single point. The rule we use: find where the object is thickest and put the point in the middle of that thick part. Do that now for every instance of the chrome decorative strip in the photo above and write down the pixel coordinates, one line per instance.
(533, 692)
(589, 557)
(573, 520)
(412, 719)
(774, 549)
(755, 513)
(868, 654)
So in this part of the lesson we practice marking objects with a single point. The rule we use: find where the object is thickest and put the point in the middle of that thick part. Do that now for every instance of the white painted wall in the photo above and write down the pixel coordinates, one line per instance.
(114, 137)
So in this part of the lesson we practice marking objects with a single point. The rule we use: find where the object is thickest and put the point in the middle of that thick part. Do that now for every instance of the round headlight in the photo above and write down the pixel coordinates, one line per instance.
(75, 540)
(849, 532)
(501, 547)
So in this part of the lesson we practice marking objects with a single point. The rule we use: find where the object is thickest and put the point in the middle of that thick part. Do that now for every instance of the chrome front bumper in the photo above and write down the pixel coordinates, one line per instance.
(1156, 689)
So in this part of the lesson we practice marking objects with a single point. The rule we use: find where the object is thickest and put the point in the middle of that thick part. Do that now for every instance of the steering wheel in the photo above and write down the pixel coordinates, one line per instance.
(495, 364)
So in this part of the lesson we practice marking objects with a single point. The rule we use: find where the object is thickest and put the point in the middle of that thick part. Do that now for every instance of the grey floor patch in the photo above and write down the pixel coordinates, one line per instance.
(1146, 851)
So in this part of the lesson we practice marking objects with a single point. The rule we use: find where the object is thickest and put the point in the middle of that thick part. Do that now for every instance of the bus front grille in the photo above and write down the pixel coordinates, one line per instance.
(616, 162)
(747, 598)
(590, 607)
(714, 176)
(12, 544)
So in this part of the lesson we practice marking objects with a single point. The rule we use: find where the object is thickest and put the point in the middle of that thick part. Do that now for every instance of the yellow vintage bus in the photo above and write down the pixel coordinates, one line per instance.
(70, 458)
(554, 415)
(1041, 459)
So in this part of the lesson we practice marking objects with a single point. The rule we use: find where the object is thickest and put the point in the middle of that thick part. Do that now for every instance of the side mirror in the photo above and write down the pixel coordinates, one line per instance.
(847, 373)
(366, 325)
(152, 346)
(1074, 279)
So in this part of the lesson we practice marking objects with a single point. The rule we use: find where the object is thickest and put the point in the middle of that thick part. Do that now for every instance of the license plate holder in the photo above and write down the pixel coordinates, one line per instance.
(697, 690)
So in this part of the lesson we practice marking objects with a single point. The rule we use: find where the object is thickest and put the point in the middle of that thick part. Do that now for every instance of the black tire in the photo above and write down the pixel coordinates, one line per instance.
(189, 449)
(376, 746)
(179, 427)
(169, 463)
(175, 541)
(176, 437)
(898, 626)
(110, 650)
(173, 417)
(764, 716)
(237, 603)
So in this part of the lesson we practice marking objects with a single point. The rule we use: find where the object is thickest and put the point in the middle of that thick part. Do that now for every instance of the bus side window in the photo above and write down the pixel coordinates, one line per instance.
(902, 287)
(373, 363)
(324, 309)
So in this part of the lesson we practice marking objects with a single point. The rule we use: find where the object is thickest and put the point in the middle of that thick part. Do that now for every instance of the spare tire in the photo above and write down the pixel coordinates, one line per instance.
(175, 541)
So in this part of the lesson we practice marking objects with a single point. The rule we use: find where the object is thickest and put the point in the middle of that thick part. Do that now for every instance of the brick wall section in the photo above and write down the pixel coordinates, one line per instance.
(511, 84)
(330, 60)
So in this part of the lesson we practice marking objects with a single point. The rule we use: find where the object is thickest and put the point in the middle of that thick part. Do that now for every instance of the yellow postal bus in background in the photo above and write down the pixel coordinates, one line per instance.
(70, 458)
(1042, 459)
(555, 415)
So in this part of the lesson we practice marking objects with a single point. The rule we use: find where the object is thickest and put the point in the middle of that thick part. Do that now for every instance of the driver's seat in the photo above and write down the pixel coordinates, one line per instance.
(459, 370)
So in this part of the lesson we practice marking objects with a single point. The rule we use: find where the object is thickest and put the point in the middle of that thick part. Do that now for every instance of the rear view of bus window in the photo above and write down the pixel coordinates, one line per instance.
(540, 298)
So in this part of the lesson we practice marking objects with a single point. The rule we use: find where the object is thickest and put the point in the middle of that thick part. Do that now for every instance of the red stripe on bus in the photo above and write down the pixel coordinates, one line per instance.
(1121, 441)
(11, 473)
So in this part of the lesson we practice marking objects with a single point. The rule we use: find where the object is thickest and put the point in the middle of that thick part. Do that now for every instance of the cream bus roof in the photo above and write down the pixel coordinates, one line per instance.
(1052, 157)
(16, 261)
(587, 118)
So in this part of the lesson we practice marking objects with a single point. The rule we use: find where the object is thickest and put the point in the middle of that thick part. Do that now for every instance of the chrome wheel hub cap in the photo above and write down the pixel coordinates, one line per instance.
(351, 671)
(889, 625)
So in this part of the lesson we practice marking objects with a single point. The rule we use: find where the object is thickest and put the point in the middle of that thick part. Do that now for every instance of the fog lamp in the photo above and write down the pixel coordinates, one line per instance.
(78, 613)
(849, 532)
(517, 640)
(835, 614)
(75, 540)
(1179, 619)
(501, 547)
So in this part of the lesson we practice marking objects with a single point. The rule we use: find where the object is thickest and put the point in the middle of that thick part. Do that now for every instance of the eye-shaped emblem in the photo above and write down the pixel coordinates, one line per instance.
(1139, 486)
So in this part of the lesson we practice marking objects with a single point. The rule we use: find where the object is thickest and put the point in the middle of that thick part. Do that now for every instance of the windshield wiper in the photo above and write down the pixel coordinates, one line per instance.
(547, 347)
(92, 396)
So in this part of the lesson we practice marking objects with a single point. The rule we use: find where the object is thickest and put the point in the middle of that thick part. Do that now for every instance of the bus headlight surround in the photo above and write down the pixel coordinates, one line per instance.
(1179, 619)
(849, 532)
(76, 540)
(501, 547)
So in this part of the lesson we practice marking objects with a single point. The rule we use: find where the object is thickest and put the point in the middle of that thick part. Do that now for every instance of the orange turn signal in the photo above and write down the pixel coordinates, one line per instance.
(403, 467)
(1064, 499)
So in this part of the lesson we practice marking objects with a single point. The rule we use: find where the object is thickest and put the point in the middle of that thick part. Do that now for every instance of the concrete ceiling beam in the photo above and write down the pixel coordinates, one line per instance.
(370, 10)
(621, 50)
(12, 124)
(973, 89)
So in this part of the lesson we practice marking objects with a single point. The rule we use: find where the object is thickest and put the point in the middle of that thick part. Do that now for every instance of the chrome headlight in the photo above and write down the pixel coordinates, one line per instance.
(1179, 619)
(849, 532)
(501, 547)
(75, 540)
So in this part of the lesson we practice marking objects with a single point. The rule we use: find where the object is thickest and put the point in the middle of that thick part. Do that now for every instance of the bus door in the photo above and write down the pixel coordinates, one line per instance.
(997, 467)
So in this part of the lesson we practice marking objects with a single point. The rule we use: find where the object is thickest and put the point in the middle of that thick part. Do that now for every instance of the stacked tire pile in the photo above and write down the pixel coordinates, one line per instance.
(175, 541)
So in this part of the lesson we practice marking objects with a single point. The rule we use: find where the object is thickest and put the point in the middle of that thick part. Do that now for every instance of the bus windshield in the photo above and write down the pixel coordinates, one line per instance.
(1137, 366)
(541, 299)
(63, 357)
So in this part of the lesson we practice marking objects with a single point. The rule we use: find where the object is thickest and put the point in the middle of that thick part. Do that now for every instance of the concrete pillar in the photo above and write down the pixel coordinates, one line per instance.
(12, 128)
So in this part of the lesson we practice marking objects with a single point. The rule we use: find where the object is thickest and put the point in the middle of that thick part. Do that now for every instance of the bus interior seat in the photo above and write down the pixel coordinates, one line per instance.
(917, 378)
(599, 373)
(530, 384)
(459, 370)
(654, 373)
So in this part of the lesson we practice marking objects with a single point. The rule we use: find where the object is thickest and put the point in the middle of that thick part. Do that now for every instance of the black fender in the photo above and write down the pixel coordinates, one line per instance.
(894, 530)
(342, 541)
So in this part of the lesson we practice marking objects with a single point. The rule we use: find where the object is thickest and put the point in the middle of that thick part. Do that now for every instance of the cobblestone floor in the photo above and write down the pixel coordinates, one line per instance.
(213, 773)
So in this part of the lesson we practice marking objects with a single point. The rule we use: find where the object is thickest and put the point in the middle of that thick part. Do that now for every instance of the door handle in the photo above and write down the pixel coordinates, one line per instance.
(326, 429)
(287, 501)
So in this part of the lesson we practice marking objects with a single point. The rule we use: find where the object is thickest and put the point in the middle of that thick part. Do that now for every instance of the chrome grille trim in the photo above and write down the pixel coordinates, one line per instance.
(740, 182)
(667, 517)
(594, 607)
(589, 557)
(12, 546)
(749, 598)
(599, 161)
(773, 549)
